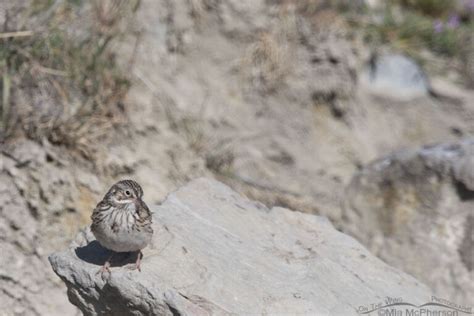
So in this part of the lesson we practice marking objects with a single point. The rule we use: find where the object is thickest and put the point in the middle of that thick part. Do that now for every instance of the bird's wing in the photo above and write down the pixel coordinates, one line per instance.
(144, 215)
(98, 211)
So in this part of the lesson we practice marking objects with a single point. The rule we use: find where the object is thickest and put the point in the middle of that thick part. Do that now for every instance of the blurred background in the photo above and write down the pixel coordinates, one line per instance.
(360, 111)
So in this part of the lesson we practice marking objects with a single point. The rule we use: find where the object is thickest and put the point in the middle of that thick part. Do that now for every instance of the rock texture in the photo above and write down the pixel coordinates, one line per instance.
(215, 252)
(43, 198)
(415, 210)
(276, 107)
(264, 95)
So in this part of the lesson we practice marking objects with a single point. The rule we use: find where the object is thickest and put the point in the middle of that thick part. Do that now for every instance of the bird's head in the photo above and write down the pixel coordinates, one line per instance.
(125, 192)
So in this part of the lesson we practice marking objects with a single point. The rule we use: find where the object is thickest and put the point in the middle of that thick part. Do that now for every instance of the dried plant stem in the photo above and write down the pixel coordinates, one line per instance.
(5, 98)
(16, 34)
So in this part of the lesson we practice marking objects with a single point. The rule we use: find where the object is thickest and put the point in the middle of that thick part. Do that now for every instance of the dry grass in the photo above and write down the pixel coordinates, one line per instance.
(435, 8)
(60, 81)
(265, 63)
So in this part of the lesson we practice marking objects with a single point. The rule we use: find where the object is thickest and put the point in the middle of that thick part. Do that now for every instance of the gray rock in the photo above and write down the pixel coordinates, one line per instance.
(33, 191)
(215, 252)
(414, 209)
(395, 76)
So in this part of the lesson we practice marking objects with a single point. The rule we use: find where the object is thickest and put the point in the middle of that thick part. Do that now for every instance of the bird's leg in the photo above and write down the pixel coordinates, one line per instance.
(106, 266)
(137, 264)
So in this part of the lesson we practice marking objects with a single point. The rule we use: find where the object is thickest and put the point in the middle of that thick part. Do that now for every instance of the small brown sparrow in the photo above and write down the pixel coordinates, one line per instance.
(121, 222)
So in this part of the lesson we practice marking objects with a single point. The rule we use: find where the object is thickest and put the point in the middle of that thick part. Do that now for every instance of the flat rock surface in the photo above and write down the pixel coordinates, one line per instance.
(215, 252)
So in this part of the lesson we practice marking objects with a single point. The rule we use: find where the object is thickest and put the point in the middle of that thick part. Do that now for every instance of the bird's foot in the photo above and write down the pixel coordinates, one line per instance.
(104, 270)
(136, 266)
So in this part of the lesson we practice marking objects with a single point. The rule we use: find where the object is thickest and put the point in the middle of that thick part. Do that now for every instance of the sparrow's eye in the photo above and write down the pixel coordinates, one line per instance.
(127, 193)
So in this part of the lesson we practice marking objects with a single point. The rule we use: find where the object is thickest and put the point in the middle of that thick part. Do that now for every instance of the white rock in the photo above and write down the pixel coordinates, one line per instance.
(215, 252)
(395, 76)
